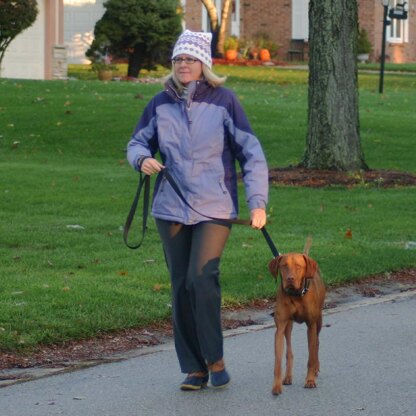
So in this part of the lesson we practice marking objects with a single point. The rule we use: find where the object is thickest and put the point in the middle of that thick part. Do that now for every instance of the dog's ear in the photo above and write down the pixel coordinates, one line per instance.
(274, 266)
(311, 267)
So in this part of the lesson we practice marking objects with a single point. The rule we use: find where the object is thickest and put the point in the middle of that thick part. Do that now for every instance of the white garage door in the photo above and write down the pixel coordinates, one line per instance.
(25, 56)
(80, 17)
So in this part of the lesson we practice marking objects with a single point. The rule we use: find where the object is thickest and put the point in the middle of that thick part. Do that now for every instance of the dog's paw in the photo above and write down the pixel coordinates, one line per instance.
(310, 384)
(277, 389)
(287, 381)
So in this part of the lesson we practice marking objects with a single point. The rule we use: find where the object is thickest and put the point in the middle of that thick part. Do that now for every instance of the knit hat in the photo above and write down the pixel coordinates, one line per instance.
(196, 44)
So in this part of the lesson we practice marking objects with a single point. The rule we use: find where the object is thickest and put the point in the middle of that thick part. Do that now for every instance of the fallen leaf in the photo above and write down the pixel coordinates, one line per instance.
(157, 287)
(348, 233)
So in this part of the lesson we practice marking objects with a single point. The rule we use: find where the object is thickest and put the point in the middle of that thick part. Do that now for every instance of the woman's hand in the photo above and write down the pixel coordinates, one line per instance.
(151, 166)
(258, 218)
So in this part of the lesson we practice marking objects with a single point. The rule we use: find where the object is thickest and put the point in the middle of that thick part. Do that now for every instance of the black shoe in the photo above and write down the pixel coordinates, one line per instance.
(193, 382)
(220, 379)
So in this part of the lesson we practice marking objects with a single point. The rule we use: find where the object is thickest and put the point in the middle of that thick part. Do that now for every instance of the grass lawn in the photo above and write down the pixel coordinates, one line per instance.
(65, 191)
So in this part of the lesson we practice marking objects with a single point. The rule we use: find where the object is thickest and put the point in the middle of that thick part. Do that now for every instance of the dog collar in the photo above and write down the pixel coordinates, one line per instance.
(298, 293)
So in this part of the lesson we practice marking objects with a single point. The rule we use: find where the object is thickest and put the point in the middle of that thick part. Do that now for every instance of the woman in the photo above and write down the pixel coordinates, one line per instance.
(200, 130)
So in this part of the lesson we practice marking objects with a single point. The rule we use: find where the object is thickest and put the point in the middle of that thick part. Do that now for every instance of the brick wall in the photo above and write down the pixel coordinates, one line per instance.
(268, 16)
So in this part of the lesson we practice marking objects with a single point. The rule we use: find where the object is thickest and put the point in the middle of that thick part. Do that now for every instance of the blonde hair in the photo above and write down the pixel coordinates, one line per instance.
(212, 79)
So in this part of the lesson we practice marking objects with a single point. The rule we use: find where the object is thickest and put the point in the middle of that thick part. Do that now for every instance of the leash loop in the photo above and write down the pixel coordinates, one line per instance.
(143, 181)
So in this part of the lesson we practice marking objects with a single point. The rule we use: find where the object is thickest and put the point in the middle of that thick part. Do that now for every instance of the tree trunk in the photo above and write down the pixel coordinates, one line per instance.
(218, 30)
(223, 27)
(212, 13)
(135, 62)
(213, 21)
(333, 138)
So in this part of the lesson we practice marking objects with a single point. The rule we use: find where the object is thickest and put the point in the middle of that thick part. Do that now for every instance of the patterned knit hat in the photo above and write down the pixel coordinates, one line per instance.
(196, 44)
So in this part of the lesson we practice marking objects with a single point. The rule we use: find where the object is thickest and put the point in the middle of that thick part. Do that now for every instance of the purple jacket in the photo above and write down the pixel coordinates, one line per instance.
(199, 140)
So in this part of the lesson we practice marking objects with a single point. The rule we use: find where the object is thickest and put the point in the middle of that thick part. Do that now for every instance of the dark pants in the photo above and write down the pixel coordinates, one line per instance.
(193, 255)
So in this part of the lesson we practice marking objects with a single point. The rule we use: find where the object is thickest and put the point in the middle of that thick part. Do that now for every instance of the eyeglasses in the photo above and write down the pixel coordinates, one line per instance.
(188, 61)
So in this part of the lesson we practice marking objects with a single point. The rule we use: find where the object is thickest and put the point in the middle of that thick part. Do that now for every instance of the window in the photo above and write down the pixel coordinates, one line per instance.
(398, 31)
(235, 18)
(300, 19)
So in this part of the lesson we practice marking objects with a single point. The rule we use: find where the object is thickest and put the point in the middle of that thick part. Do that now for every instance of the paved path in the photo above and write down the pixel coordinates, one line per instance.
(368, 367)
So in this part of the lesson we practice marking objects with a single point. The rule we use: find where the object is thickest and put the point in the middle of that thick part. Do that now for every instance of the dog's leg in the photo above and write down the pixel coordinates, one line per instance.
(318, 330)
(310, 381)
(278, 352)
(289, 354)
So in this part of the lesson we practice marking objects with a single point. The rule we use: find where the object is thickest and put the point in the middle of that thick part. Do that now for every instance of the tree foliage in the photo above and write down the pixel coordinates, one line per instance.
(333, 138)
(143, 31)
(15, 17)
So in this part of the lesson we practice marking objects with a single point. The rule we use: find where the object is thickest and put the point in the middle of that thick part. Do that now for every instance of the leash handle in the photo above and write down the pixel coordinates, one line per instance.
(143, 181)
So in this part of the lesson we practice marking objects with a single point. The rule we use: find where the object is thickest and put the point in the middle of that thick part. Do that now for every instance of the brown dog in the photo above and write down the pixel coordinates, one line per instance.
(300, 298)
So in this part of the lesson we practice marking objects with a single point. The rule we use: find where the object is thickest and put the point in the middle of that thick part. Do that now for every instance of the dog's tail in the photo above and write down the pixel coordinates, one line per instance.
(308, 245)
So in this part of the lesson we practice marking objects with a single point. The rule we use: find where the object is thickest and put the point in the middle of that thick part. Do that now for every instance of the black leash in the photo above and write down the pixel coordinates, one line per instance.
(145, 181)
(269, 241)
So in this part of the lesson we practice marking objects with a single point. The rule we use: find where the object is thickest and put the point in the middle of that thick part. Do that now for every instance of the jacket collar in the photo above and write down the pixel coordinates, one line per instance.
(195, 88)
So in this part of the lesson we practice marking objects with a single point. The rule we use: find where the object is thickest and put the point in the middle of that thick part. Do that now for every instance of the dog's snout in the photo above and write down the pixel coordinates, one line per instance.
(290, 279)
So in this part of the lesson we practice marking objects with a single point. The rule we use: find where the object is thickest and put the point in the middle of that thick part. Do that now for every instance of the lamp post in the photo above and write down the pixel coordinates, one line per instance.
(398, 12)
(386, 4)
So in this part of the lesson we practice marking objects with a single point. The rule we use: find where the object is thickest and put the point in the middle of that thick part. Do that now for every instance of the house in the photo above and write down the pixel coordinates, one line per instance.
(61, 34)
(64, 30)
(38, 52)
(400, 35)
(80, 17)
(287, 20)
